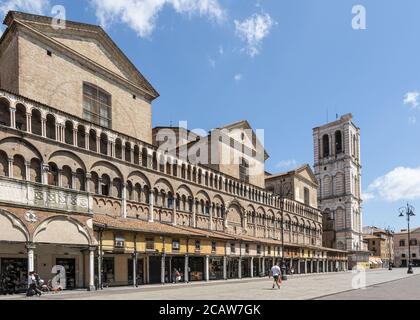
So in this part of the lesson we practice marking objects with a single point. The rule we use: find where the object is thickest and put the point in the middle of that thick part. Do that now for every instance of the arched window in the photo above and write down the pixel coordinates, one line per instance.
(66, 177)
(4, 112)
(51, 127)
(36, 122)
(105, 185)
(104, 144)
(325, 146)
(81, 136)
(80, 180)
(97, 105)
(127, 152)
(4, 164)
(92, 140)
(19, 167)
(68, 135)
(118, 148)
(53, 174)
(136, 155)
(338, 142)
(20, 117)
(144, 157)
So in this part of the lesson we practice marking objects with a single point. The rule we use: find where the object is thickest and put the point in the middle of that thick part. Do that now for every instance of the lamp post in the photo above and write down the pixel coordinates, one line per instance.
(408, 212)
(390, 235)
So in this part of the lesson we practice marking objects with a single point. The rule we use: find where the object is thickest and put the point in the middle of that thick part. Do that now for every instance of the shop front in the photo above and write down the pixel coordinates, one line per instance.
(246, 267)
(196, 267)
(232, 268)
(13, 275)
(140, 279)
(216, 268)
(257, 267)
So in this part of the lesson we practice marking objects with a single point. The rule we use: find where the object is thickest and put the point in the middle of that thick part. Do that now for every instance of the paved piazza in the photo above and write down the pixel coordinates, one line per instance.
(381, 284)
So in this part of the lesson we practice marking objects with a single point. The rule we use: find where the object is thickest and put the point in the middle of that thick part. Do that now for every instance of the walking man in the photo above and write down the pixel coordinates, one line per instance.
(276, 273)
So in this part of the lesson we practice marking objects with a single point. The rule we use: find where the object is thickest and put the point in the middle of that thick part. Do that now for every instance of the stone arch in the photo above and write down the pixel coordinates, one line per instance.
(36, 122)
(234, 215)
(12, 229)
(20, 117)
(13, 146)
(62, 230)
(163, 184)
(64, 157)
(104, 167)
(138, 177)
(5, 111)
(184, 190)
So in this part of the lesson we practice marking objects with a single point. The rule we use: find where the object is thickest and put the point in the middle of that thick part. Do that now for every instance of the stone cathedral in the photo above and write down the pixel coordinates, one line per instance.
(338, 171)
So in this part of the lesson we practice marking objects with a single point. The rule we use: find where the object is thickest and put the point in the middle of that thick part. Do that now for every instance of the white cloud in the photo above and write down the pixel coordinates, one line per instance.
(412, 98)
(253, 31)
(399, 184)
(412, 120)
(141, 15)
(212, 62)
(286, 164)
(238, 77)
(30, 6)
(221, 50)
(366, 196)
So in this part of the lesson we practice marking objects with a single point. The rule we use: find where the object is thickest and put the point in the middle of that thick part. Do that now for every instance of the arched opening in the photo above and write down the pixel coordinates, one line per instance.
(80, 180)
(338, 142)
(66, 177)
(175, 170)
(129, 191)
(20, 117)
(127, 155)
(146, 193)
(104, 144)
(116, 188)
(105, 185)
(35, 169)
(170, 200)
(50, 127)
(4, 112)
(36, 122)
(4, 164)
(137, 193)
(183, 171)
(94, 183)
(118, 148)
(81, 136)
(19, 167)
(144, 157)
(53, 174)
(136, 154)
(92, 140)
(325, 146)
(68, 132)
(154, 161)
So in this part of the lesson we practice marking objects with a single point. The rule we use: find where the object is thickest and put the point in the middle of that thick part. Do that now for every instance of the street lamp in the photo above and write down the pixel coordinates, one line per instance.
(408, 212)
(390, 234)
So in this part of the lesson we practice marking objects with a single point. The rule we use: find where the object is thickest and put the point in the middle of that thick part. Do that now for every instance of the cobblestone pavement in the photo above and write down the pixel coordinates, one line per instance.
(329, 286)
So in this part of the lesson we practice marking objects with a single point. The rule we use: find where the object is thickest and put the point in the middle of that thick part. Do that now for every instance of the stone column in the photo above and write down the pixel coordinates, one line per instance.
(124, 200)
(323, 266)
(312, 266)
(225, 267)
(211, 227)
(240, 268)
(100, 186)
(263, 266)
(87, 139)
(13, 118)
(252, 267)
(306, 266)
(186, 275)
(44, 173)
(174, 218)
(31, 256)
(43, 127)
(10, 163)
(98, 142)
(194, 214)
(162, 269)
(59, 178)
(92, 268)
(88, 178)
(151, 202)
(27, 170)
(75, 131)
(298, 269)
(135, 268)
(206, 268)
(28, 122)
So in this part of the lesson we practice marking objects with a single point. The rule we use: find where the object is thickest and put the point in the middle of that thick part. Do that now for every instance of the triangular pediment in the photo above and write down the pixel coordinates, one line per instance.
(89, 42)
(306, 172)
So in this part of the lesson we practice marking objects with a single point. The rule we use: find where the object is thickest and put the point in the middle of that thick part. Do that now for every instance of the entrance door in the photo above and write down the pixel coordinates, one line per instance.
(246, 268)
(154, 269)
(256, 267)
(70, 267)
(196, 265)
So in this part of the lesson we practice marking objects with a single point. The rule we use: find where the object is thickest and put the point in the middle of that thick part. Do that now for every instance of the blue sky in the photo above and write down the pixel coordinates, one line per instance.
(283, 65)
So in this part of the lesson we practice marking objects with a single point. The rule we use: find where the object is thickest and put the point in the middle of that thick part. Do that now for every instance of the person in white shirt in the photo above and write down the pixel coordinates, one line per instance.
(276, 273)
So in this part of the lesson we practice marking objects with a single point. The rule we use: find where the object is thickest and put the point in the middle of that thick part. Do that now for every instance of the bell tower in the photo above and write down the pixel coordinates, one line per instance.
(338, 171)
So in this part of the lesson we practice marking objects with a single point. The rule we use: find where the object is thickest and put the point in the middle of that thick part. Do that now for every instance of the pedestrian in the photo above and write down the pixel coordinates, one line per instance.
(276, 273)
(33, 285)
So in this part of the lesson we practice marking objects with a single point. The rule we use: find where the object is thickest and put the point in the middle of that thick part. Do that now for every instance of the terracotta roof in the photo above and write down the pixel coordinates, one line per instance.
(138, 225)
